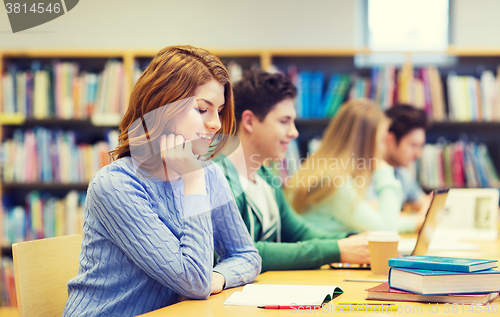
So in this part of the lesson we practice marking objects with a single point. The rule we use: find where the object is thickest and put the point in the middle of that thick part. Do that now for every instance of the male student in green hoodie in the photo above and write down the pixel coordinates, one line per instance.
(265, 117)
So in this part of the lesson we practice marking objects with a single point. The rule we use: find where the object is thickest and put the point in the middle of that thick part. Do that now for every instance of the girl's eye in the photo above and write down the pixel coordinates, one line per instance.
(201, 111)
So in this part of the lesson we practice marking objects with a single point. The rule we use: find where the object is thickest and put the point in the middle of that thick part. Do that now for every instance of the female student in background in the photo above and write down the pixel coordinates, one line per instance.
(329, 188)
(154, 217)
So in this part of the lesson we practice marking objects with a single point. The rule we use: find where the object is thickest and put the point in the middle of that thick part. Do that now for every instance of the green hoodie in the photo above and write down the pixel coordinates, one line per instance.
(293, 245)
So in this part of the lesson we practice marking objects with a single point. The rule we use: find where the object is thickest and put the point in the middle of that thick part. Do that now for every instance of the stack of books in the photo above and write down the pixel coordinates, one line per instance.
(432, 279)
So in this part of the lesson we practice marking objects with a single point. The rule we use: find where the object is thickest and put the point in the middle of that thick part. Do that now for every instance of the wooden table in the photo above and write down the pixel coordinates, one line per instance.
(353, 292)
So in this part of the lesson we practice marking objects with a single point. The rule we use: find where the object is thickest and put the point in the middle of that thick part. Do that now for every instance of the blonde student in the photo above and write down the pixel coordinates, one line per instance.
(329, 188)
(154, 216)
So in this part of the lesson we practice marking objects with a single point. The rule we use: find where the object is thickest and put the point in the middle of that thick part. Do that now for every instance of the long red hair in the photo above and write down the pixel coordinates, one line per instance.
(172, 76)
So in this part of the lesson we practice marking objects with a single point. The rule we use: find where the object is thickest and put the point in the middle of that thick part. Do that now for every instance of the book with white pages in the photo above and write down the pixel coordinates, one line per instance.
(284, 295)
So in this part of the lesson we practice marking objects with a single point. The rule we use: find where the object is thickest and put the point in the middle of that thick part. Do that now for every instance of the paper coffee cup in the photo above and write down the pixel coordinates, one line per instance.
(382, 245)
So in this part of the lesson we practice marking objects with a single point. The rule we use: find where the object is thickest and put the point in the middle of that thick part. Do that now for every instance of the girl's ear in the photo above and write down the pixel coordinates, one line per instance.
(247, 120)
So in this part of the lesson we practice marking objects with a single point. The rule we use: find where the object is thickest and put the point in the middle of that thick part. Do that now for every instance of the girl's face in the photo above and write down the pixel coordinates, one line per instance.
(200, 120)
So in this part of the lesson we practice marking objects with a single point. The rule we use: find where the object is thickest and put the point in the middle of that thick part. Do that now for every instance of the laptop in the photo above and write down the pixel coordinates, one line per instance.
(418, 246)
(434, 213)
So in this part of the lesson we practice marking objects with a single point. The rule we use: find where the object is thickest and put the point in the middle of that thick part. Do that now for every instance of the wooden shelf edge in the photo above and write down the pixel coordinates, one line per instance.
(20, 120)
(62, 52)
(470, 51)
(43, 186)
(250, 51)
(150, 52)
(12, 119)
(7, 311)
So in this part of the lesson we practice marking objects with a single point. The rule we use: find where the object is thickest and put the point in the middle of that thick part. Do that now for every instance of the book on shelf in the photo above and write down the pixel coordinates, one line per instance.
(303, 94)
(442, 263)
(316, 97)
(329, 106)
(383, 292)
(7, 290)
(360, 87)
(284, 295)
(431, 282)
(338, 96)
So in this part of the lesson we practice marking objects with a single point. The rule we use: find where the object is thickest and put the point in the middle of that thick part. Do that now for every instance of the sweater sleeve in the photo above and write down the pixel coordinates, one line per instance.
(302, 255)
(182, 263)
(238, 260)
(360, 215)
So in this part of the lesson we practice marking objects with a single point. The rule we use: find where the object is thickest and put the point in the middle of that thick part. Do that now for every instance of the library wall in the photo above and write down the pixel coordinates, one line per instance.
(277, 23)
(219, 23)
(475, 23)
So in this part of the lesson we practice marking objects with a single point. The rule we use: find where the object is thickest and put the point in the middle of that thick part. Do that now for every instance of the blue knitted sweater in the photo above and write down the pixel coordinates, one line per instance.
(145, 243)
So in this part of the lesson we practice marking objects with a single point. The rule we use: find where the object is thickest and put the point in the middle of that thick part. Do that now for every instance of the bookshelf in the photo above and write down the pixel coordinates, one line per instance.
(88, 60)
(327, 60)
(471, 62)
(486, 132)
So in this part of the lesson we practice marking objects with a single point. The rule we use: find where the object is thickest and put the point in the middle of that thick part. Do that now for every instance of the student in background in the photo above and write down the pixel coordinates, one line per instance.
(329, 188)
(153, 218)
(405, 141)
(265, 117)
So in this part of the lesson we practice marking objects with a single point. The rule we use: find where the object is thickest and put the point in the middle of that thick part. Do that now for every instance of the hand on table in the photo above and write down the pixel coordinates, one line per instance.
(354, 249)
(218, 281)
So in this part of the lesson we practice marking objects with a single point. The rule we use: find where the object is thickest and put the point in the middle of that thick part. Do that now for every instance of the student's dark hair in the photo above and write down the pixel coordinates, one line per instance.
(405, 118)
(258, 91)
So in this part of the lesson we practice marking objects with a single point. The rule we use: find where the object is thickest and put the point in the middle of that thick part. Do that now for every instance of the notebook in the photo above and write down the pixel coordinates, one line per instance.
(285, 295)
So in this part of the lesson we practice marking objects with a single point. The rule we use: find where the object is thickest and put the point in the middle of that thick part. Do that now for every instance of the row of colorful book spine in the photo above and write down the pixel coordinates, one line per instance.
(474, 99)
(442, 165)
(63, 91)
(7, 287)
(456, 164)
(42, 155)
(44, 216)
(469, 98)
